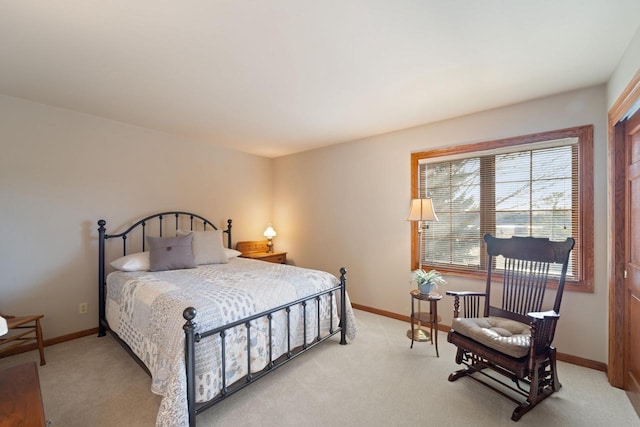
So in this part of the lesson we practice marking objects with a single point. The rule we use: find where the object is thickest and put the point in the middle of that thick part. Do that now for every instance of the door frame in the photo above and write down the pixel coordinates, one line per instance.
(617, 158)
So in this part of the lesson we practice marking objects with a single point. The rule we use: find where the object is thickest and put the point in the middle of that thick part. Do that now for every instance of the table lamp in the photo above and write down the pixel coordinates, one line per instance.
(270, 233)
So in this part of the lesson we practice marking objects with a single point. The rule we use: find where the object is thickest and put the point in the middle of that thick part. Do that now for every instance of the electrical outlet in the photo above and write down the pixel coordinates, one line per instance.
(82, 308)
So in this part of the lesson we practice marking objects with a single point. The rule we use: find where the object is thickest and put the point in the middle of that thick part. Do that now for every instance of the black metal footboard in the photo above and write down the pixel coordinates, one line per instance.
(192, 338)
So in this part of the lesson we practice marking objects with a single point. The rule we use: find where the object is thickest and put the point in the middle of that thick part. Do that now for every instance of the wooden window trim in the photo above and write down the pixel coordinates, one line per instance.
(585, 191)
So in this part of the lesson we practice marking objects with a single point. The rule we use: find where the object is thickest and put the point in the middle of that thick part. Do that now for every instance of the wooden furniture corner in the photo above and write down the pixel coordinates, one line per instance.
(258, 250)
(29, 330)
(20, 397)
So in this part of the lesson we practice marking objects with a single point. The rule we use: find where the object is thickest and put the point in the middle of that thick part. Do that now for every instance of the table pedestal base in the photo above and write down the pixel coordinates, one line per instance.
(419, 335)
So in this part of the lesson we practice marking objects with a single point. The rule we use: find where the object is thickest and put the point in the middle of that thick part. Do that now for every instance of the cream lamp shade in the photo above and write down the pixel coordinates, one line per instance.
(422, 210)
(3, 326)
(269, 233)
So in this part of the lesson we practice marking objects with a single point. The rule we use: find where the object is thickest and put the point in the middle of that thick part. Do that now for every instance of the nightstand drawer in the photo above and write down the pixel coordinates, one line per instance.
(248, 250)
(277, 258)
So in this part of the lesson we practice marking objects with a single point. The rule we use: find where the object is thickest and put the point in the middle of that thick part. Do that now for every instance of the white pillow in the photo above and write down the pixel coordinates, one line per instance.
(207, 247)
(133, 262)
(232, 253)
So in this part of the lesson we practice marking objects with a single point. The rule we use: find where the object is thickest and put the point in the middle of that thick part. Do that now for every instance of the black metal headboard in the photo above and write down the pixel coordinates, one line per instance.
(195, 222)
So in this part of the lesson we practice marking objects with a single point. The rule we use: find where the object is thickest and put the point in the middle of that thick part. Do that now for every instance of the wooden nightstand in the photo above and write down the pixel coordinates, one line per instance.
(258, 250)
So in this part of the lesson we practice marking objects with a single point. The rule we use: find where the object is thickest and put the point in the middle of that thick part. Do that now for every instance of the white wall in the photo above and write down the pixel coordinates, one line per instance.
(61, 171)
(625, 71)
(346, 205)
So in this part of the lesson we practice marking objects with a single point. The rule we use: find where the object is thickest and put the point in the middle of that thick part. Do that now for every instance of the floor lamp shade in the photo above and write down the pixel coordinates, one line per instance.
(422, 210)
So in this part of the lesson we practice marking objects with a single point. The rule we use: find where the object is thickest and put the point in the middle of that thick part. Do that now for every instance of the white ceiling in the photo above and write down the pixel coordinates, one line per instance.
(273, 77)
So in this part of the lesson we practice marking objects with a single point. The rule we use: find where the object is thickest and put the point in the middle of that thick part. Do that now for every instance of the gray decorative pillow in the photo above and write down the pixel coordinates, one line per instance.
(170, 253)
(207, 246)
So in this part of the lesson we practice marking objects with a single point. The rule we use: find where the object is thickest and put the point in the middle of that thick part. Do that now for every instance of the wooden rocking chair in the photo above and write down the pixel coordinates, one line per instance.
(515, 339)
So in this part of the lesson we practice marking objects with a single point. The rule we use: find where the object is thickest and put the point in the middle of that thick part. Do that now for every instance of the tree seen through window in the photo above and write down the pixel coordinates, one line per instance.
(523, 189)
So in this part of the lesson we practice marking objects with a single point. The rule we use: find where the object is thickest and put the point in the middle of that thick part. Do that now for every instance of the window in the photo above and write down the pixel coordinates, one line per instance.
(536, 185)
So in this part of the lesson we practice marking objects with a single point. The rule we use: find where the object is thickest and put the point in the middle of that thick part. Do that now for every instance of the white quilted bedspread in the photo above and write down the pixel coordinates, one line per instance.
(145, 310)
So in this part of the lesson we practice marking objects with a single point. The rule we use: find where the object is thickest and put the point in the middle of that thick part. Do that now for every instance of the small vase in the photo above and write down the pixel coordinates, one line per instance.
(426, 288)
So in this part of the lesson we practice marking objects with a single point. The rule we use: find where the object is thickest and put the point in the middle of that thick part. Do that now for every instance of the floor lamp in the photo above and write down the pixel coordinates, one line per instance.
(421, 211)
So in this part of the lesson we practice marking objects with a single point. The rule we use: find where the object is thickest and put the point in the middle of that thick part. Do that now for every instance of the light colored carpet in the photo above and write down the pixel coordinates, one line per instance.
(375, 381)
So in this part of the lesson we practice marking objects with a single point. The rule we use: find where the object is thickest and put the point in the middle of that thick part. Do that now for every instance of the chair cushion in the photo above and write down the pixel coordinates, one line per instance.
(504, 335)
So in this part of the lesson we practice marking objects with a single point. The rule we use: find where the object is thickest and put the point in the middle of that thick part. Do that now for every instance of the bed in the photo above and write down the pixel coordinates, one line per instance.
(203, 322)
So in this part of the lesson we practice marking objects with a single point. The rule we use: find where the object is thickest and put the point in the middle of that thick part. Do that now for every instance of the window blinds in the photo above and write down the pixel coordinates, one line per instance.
(532, 192)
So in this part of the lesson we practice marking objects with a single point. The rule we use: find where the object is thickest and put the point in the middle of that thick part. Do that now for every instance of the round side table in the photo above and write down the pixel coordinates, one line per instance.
(416, 333)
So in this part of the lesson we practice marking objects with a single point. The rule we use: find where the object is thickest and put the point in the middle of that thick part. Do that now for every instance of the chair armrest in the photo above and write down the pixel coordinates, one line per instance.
(540, 315)
(543, 328)
(470, 303)
(466, 293)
